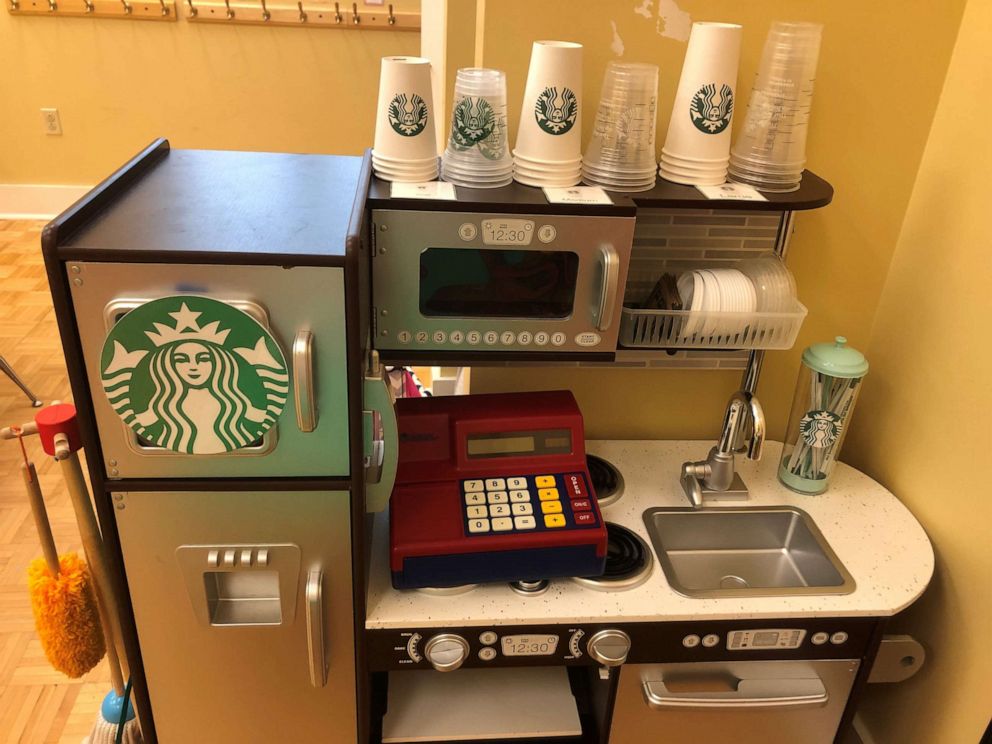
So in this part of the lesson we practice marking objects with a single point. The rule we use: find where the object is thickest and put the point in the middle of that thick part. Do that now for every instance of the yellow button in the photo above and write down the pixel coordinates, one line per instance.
(544, 481)
(554, 520)
(551, 507)
(548, 494)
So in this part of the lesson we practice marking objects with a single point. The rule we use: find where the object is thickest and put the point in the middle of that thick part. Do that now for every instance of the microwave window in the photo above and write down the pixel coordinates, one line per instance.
(548, 442)
(491, 283)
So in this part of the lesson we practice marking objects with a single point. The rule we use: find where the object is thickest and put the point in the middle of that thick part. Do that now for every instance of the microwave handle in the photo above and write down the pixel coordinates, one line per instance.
(805, 692)
(608, 291)
(303, 382)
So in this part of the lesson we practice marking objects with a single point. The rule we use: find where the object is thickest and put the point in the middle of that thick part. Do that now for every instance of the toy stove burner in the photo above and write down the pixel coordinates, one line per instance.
(446, 591)
(530, 588)
(628, 562)
(606, 480)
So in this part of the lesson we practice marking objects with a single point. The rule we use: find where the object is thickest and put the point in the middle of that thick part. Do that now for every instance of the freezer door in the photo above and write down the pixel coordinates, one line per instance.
(751, 702)
(243, 605)
(301, 307)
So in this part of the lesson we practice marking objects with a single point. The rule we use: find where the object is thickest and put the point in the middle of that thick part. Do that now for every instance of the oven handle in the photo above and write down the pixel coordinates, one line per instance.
(303, 382)
(381, 438)
(315, 627)
(608, 292)
(801, 692)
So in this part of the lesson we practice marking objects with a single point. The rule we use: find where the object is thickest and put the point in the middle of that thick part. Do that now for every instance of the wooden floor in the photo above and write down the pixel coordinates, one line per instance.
(37, 704)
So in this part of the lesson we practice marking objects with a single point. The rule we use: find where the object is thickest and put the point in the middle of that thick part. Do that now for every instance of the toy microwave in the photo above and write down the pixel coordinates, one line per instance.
(492, 488)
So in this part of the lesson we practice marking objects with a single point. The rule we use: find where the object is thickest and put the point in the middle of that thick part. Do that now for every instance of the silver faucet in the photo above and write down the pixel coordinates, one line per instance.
(716, 475)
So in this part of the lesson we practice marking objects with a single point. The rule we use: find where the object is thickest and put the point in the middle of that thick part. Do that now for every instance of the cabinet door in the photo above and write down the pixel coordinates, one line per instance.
(243, 605)
(757, 702)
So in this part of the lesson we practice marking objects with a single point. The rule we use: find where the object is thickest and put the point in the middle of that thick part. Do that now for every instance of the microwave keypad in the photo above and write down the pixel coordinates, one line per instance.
(527, 503)
(495, 338)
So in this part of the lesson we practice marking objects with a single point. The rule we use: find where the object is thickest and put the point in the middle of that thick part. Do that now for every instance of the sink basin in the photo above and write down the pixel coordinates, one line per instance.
(744, 552)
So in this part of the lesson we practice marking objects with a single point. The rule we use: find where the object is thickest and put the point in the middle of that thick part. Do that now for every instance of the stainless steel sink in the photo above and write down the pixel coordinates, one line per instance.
(744, 552)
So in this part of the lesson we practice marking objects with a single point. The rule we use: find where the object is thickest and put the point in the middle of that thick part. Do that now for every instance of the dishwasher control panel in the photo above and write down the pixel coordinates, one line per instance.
(763, 639)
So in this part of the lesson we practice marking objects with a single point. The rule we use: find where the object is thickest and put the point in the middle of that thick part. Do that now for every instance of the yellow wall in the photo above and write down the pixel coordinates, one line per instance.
(118, 84)
(880, 74)
(921, 427)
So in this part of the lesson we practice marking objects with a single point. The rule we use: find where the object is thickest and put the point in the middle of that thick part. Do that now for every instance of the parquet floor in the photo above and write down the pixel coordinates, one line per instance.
(37, 704)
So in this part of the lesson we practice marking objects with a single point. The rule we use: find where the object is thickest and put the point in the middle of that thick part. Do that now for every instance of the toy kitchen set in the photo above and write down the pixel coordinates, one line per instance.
(305, 560)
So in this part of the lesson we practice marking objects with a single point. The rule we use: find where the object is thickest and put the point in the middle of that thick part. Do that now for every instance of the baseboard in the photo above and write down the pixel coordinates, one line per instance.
(28, 201)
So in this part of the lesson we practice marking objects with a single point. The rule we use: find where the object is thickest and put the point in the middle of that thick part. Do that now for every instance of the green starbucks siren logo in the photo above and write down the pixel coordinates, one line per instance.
(820, 429)
(407, 114)
(472, 121)
(194, 375)
(556, 112)
(709, 112)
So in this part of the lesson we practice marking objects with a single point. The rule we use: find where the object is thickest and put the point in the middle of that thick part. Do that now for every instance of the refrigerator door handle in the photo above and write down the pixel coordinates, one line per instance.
(303, 382)
(381, 438)
(315, 627)
(750, 693)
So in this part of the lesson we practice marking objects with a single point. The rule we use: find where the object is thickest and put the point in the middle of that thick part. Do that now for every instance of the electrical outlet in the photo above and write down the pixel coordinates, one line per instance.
(50, 121)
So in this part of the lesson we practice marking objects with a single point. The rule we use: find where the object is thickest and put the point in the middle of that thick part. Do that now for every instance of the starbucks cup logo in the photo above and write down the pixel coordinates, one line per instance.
(711, 112)
(556, 111)
(407, 114)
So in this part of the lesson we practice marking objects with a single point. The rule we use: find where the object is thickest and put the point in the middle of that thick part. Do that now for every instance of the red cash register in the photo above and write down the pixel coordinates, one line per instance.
(492, 488)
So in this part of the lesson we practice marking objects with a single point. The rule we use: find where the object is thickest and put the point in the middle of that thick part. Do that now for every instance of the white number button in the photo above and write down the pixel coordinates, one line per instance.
(502, 524)
(819, 639)
(491, 337)
(421, 337)
(473, 485)
(475, 499)
(524, 338)
(519, 496)
(473, 337)
(467, 231)
(524, 523)
(546, 233)
(478, 525)
(457, 337)
(499, 510)
(487, 654)
(495, 484)
(516, 482)
(488, 637)
(498, 497)
(558, 339)
(838, 638)
(709, 641)
(474, 512)
(439, 337)
(403, 337)
(522, 509)
(541, 338)
(691, 641)
(508, 338)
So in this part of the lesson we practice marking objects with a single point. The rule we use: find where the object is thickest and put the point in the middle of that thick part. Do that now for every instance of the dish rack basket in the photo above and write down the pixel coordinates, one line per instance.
(684, 329)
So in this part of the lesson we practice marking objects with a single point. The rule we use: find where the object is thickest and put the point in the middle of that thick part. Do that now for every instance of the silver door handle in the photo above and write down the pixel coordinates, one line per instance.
(303, 383)
(609, 288)
(315, 627)
(750, 693)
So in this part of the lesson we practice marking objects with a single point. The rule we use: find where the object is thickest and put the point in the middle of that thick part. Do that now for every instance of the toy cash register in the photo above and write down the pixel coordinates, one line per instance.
(492, 488)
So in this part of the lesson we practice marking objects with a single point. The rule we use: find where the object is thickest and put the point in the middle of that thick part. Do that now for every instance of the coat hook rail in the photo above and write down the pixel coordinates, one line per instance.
(144, 10)
(293, 13)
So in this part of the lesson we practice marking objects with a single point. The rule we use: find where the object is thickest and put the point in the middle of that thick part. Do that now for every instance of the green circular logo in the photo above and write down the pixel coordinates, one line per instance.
(711, 113)
(194, 375)
(820, 429)
(556, 112)
(472, 122)
(407, 114)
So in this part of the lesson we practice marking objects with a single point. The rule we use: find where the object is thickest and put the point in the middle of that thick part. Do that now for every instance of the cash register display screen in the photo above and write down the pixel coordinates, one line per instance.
(507, 444)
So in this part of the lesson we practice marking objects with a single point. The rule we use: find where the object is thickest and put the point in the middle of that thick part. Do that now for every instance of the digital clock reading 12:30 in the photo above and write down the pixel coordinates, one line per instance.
(507, 232)
(529, 645)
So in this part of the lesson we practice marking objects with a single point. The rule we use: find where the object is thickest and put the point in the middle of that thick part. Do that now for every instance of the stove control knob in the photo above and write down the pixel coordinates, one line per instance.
(609, 647)
(446, 652)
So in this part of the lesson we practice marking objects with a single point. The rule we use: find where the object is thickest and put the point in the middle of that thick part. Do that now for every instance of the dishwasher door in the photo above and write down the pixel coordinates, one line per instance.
(743, 702)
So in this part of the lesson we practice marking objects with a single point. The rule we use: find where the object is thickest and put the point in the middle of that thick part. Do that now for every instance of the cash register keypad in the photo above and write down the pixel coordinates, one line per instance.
(528, 503)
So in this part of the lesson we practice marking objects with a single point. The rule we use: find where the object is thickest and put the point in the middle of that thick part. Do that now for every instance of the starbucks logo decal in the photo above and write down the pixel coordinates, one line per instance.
(472, 121)
(194, 375)
(556, 111)
(407, 114)
(820, 429)
(711, 112)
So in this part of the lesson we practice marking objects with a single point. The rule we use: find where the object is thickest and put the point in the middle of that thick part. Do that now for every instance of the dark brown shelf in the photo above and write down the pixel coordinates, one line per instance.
(813, 193)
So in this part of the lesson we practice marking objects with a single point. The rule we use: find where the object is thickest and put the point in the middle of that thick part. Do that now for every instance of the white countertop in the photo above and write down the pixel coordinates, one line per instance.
(876, 538)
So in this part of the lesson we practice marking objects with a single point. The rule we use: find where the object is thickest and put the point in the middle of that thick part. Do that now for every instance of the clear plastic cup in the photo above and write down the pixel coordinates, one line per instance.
(478, 152)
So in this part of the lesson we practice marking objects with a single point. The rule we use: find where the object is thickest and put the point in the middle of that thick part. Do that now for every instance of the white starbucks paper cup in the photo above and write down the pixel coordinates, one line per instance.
(551, 115)
(404, 125)
(705, 100)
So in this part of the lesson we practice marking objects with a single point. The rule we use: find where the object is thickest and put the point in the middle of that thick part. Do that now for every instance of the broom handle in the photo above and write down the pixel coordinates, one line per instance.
(113, 660)
(41, 522)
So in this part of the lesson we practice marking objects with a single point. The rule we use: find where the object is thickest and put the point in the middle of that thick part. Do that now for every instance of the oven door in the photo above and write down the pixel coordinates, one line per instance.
(302, 311)
(461, 281)
(750, 702)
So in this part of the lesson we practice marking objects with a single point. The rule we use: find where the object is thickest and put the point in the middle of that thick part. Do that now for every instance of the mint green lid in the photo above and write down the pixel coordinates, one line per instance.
(836, 359)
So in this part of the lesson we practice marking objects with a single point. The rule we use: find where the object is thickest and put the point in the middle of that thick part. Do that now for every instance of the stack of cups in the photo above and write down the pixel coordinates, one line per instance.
(770, 151)
(549, 140)
(405, 147)
(620, 156)
(697, 149)
(478, 154)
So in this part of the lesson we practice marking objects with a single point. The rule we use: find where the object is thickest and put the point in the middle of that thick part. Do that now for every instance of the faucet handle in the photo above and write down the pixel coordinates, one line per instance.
(690, 483)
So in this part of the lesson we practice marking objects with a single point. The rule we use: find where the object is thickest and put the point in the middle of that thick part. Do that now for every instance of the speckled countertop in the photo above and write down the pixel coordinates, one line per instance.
(876, 538)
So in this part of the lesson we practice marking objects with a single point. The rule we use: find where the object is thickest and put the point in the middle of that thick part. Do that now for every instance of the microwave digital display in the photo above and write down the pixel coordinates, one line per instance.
(497, 283)
(515, 443)
(507, 232)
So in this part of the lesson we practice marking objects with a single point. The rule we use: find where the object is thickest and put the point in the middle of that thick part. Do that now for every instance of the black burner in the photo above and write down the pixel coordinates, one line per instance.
(605, 479)
(625, 555)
